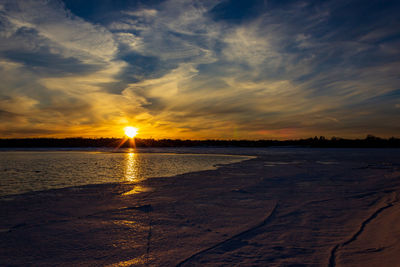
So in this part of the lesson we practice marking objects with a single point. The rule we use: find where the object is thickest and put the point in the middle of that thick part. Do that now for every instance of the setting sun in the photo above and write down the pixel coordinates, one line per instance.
(130, 131)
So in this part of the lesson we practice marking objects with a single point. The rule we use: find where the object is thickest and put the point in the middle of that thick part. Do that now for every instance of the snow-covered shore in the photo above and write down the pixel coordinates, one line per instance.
(328, 208)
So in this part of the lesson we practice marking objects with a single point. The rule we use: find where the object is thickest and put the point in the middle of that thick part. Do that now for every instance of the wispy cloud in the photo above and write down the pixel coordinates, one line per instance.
(208, 69)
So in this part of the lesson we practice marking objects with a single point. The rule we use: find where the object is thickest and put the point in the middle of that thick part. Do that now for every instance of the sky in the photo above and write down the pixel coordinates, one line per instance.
(200, 69)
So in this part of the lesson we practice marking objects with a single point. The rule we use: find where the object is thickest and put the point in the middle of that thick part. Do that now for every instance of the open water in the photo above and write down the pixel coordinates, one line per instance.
(25, 171)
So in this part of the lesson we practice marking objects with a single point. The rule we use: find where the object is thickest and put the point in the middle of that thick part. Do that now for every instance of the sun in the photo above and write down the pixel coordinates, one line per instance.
(130, 131)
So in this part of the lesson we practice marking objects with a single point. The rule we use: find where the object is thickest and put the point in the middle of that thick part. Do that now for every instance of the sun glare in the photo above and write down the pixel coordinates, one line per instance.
(131, 131)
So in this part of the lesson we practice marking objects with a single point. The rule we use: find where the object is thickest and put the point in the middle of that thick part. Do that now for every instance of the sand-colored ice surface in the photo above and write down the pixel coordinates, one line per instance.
(303, 208)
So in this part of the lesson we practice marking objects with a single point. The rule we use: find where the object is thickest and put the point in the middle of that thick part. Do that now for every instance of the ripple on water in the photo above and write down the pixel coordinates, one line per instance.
(25, 171)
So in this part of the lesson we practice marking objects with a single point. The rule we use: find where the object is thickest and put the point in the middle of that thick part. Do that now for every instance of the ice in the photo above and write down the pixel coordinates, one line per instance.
(244, 214)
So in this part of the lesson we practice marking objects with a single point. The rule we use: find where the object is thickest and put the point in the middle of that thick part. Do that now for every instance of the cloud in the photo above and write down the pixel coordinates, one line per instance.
(44, 62)
(209, 69)
(70, 35)
(247, 45)
(142, 13)
(50, 60)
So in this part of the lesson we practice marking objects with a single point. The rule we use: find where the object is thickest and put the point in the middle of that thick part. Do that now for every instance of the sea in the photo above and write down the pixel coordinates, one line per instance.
(27, 170)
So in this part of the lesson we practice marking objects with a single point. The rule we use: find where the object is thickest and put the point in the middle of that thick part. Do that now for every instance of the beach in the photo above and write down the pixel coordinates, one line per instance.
(330, 208)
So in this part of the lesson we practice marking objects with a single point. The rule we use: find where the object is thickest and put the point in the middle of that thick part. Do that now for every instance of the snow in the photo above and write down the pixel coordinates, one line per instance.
(332, 207)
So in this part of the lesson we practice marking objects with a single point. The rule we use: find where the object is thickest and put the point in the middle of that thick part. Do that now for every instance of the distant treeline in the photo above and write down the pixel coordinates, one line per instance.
(369, 141)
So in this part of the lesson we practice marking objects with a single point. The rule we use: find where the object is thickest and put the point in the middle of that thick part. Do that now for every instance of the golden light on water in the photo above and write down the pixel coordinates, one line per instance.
(131, 167)
(130, 131)
(132, 173)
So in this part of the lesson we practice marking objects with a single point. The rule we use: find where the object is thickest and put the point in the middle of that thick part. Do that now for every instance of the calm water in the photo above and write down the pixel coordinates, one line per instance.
(24, 171)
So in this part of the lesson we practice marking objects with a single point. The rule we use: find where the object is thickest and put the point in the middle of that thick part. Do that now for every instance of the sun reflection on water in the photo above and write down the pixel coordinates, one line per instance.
(132, 173)
(131, 166)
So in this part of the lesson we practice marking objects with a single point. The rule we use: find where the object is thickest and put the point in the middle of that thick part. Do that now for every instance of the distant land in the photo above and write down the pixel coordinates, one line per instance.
(369, 142)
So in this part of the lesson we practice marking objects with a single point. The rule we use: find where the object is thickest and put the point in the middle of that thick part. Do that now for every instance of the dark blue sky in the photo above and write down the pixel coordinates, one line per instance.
(200, 69)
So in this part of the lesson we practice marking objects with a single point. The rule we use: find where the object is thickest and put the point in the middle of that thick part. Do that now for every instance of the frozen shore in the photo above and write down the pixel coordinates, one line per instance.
(324, 208)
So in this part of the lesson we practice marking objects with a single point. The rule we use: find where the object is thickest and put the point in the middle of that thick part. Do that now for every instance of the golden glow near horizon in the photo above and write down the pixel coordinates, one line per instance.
(130, 131)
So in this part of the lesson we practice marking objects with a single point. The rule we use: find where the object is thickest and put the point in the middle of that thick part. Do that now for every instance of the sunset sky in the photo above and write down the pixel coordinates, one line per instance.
(200, 69)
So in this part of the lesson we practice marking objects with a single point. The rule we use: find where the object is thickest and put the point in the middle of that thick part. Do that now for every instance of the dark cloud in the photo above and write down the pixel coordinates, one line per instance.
(142, 67)
(6, 115)
(138, 68)
(28, 47)
(45, 63)
(21, 131)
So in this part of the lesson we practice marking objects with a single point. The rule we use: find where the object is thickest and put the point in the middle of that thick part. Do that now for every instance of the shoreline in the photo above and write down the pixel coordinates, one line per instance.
(248, 213)
(83, 186)
(23, 173)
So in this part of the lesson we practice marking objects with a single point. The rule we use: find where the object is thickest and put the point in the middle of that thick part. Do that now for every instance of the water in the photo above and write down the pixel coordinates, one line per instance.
(25, 171)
